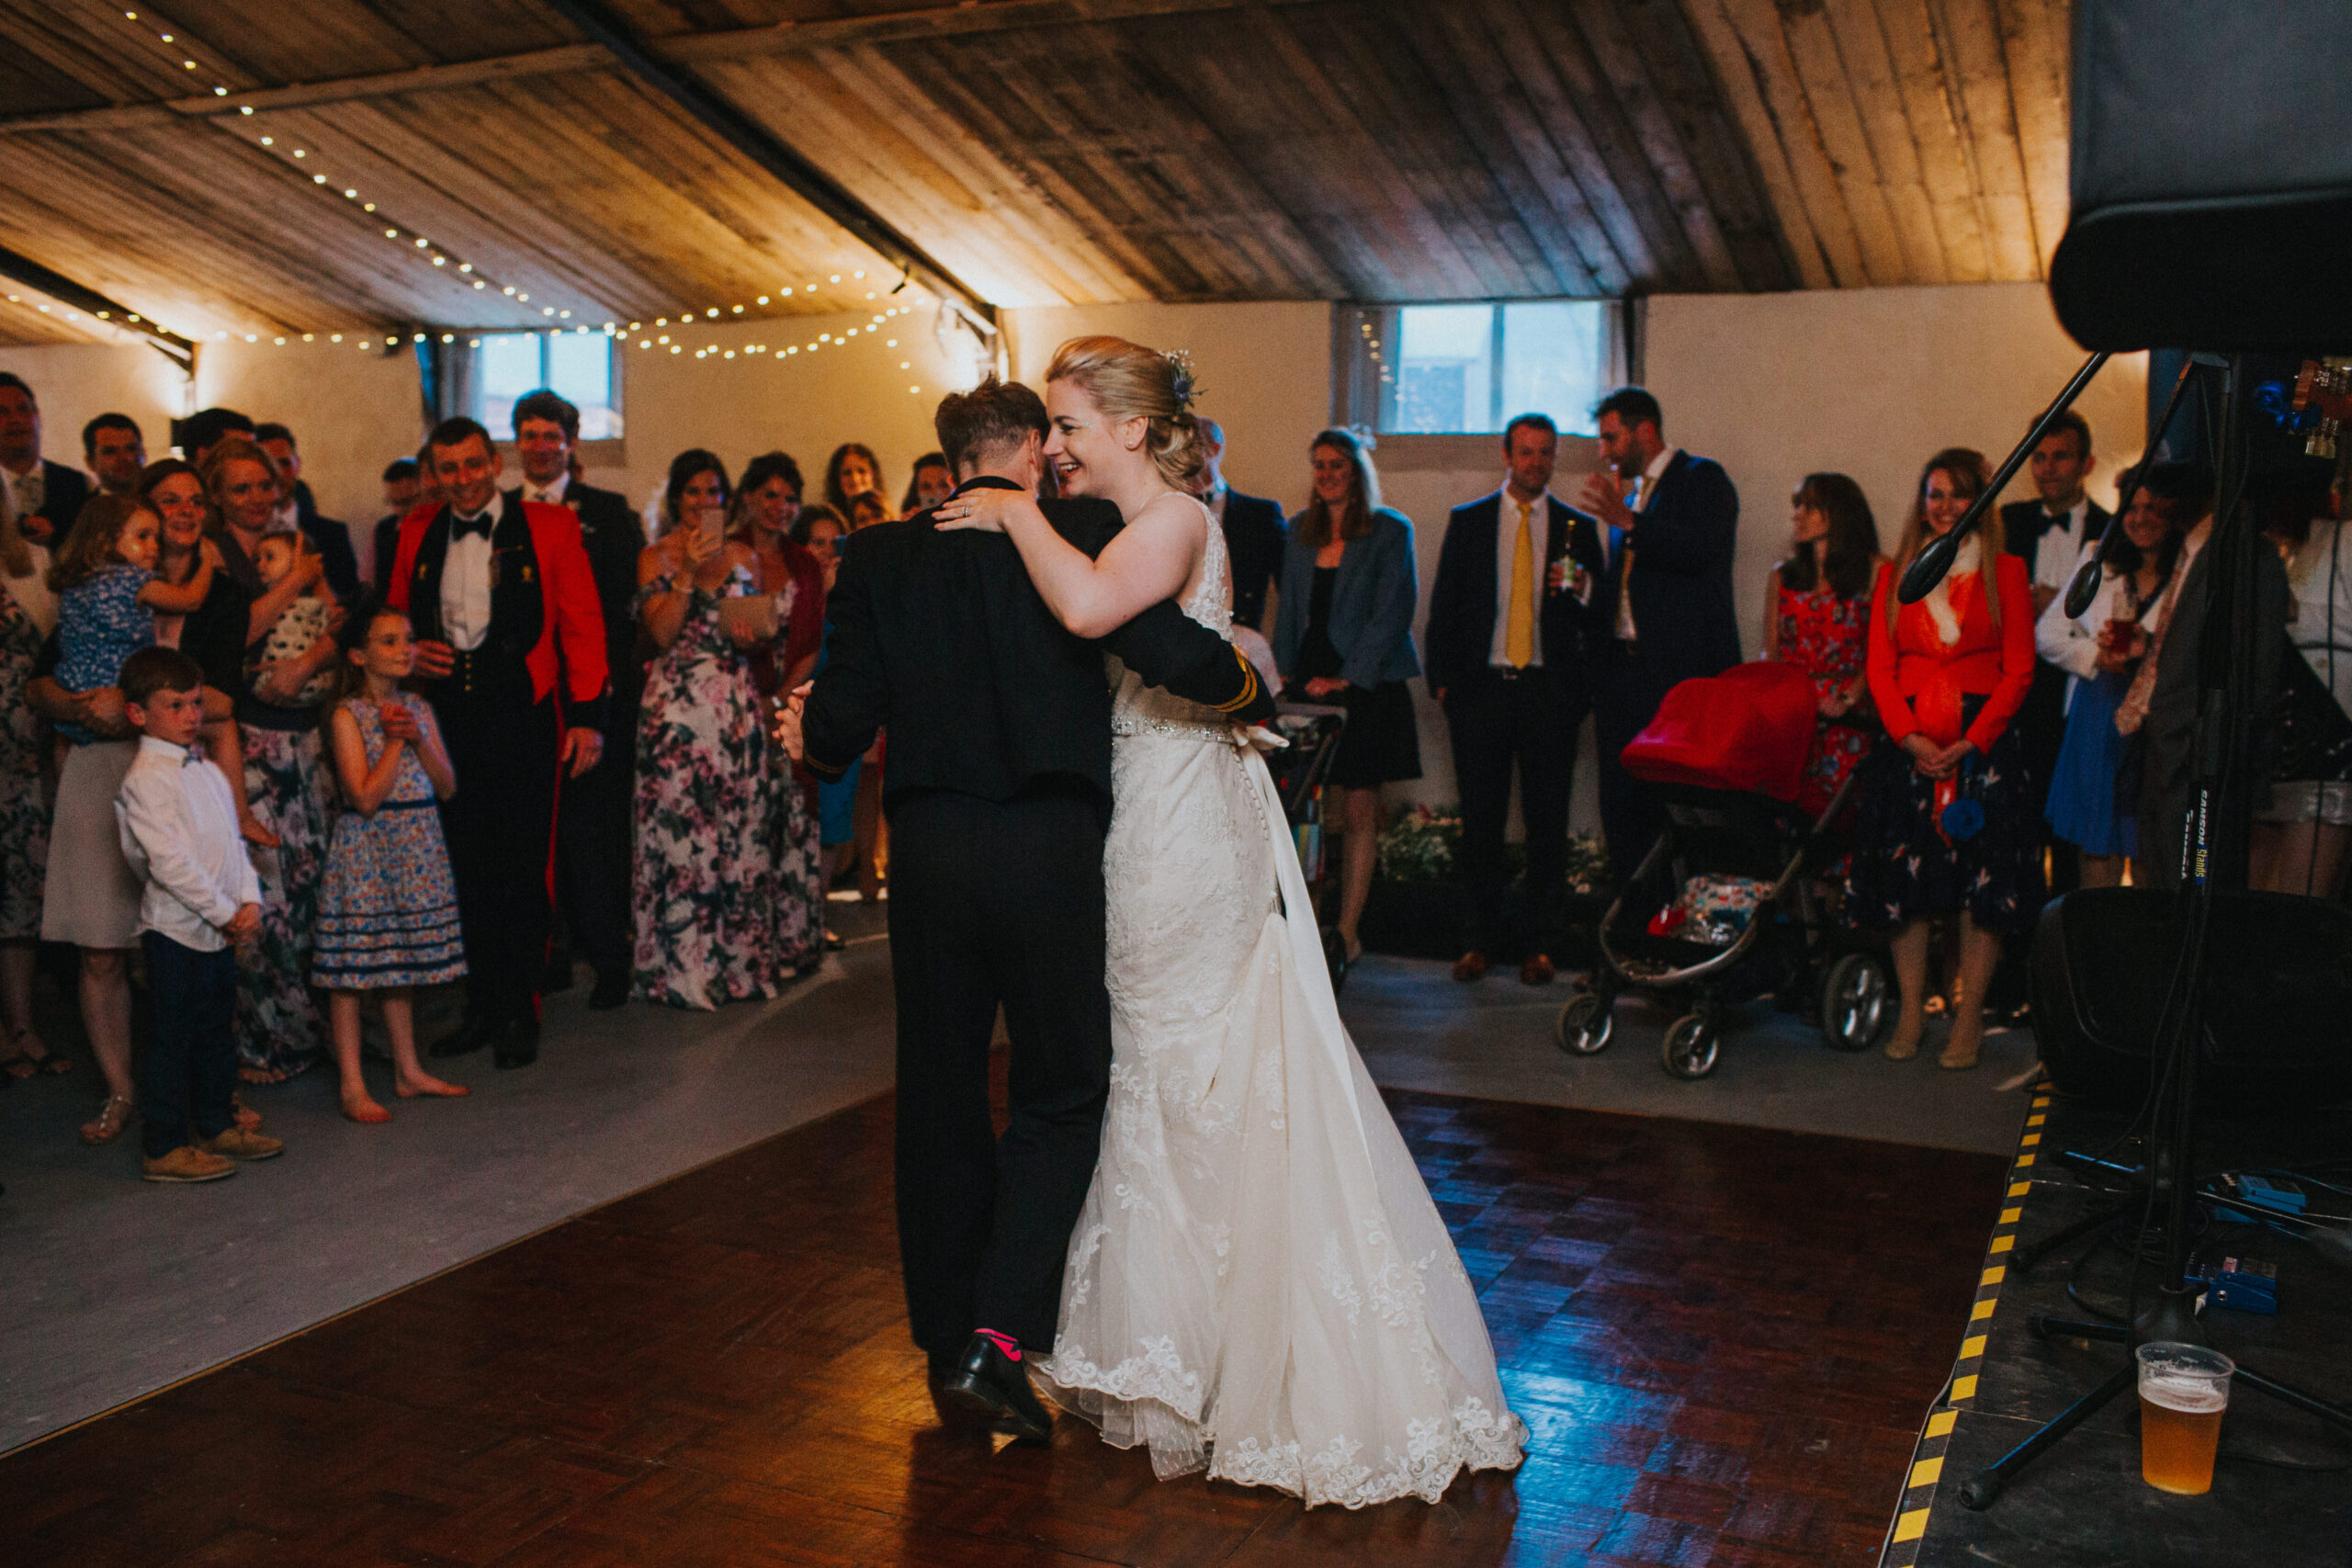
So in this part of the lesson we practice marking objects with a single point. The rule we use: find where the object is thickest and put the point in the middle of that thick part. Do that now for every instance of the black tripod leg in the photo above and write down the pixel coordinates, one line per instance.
(2048, 1328)
(1979, 1489)
(2029, 1255)
(2334, 1414)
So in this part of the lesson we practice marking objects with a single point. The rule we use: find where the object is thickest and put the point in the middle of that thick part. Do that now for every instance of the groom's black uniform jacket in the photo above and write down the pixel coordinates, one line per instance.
(998, 789)
(942, 638)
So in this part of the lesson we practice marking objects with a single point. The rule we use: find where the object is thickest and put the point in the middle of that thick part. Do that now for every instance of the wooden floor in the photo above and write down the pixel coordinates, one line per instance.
(1723, 1338)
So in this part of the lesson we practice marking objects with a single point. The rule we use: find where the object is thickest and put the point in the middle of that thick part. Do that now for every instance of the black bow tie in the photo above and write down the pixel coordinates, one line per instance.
(460, 525)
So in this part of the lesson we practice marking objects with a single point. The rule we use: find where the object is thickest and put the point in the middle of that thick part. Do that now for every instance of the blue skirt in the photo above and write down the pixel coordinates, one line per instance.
(2081, 808)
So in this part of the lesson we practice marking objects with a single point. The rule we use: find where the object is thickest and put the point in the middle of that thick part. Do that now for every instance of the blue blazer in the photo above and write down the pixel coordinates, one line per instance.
(1683, 619)
(1372, 601)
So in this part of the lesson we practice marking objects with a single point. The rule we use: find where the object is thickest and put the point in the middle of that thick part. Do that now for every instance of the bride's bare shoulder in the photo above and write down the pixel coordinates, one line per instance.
(1175, 512)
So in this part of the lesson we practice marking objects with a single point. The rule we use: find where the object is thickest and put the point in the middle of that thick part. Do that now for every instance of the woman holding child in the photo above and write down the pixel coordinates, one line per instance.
(279, 1030)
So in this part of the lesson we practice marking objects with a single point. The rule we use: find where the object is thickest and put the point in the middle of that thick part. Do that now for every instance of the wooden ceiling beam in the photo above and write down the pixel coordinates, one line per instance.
(684, 50)
(32, 275)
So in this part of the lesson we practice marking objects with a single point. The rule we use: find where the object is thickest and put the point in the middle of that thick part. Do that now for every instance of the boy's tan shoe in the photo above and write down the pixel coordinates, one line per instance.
(188, 1163)
(238, 1143)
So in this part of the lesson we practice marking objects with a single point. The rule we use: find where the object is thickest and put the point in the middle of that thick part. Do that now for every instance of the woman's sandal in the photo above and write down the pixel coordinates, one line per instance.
(21, 1063)
(108, 1125)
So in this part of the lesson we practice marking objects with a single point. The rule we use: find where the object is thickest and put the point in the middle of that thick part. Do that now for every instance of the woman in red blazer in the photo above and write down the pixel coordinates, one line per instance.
(1947, 825)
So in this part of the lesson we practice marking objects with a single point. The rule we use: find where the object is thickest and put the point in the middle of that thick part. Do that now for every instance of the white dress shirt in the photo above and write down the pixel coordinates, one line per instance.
(179, 826)
(2061, 547)
(465, 580)
(551, 493)
(1539, 536)
(26, 490)
(1624, 540)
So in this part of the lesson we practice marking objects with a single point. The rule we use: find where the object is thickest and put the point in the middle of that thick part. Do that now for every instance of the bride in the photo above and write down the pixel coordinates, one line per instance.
(1259, 1284)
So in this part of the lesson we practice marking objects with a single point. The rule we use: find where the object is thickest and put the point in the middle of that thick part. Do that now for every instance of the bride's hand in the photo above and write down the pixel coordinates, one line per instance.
(986, 507)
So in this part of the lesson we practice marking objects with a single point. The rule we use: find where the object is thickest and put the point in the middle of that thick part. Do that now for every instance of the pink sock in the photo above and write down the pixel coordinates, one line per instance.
(1004, 1342)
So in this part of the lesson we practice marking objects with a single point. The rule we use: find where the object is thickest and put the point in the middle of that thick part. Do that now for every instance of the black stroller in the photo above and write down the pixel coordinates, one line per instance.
(1311, 734)
(1724, 906)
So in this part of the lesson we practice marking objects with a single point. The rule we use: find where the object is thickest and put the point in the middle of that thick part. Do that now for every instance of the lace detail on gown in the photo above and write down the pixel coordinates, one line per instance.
(1259, 1284)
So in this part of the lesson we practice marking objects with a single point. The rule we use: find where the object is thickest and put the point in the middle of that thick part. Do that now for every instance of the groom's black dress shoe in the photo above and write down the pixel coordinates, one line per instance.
(992, 1386)
(470, 1036)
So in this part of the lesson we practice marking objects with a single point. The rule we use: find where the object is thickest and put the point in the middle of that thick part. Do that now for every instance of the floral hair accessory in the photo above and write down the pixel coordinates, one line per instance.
(1181, 381)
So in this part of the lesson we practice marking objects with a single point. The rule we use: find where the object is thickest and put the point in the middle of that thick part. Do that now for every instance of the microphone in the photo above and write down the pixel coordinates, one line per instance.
(2083, 588)
(1935, 557)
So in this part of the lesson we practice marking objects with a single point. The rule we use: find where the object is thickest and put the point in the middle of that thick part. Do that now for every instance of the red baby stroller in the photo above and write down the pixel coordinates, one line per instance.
(1724, 906)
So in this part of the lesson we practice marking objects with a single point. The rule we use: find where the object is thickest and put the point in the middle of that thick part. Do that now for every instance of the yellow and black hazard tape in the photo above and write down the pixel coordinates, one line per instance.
(1920, 1485)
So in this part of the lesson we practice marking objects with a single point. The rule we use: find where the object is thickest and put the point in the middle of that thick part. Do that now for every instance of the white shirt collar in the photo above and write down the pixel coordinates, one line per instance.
(149, 745)
(495, 511)
(1511, 503)
(1656, 470)
(553, 492)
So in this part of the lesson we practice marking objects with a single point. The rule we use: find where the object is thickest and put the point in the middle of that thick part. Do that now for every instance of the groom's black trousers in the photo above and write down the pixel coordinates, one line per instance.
(996, 902)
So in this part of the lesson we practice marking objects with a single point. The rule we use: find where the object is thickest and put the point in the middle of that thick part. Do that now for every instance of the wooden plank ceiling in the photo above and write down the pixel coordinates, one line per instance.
(227, 166)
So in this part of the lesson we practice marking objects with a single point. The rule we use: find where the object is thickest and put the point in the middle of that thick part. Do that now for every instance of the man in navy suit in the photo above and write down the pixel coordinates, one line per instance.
(1665, 601)
(1510, 642)
(45, 496)
(1255, 531)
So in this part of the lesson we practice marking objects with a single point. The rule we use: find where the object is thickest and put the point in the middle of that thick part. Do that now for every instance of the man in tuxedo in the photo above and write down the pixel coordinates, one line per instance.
(44, 496)
(593, 823)
(1665, 601)
(331, 538)
(999, 799)
(1510, 628)
(1254, 532)
(403, 492)
(511, 652)
(2048, 533)
(114, 451)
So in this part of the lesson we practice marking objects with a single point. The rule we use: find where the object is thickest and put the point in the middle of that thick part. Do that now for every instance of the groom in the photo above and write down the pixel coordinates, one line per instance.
(999, 797)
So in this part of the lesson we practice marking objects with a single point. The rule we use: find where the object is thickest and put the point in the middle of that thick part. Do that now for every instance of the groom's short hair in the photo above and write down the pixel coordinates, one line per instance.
(987, 422)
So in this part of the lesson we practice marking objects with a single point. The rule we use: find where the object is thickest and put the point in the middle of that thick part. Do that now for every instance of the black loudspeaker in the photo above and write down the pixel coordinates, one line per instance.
(2278, 1013)
(2210, 176)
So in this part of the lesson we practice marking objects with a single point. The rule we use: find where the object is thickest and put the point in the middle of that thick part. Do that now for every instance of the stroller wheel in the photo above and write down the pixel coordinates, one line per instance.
(1585, 1024)
(1692, 1047)
(1856, 1001)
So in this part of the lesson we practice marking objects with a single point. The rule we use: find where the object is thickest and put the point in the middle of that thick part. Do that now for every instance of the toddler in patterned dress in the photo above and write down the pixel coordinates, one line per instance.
(388, 905)
(108, 594)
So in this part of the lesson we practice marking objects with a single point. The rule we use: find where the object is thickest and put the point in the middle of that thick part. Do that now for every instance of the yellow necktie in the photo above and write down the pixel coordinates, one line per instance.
(1519, 631)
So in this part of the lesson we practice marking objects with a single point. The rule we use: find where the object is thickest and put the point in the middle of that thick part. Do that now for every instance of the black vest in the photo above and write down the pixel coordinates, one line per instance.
(517, 605)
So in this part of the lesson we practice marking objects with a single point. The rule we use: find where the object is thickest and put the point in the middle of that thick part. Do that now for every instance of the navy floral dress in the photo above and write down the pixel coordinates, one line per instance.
(388, 906)
(24, 819)
(722, 883)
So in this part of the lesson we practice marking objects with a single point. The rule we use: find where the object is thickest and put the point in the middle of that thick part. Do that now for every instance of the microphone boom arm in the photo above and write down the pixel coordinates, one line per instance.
(1935, 557)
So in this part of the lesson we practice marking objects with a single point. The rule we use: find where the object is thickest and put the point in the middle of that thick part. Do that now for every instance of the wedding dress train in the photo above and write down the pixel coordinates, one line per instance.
(1259, 1283)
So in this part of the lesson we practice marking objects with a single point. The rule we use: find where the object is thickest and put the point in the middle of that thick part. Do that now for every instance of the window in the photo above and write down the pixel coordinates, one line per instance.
(578, 365)
(1469, 369)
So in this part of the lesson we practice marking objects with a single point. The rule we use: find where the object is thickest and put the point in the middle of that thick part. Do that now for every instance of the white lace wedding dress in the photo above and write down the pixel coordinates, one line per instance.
(1259, 1282)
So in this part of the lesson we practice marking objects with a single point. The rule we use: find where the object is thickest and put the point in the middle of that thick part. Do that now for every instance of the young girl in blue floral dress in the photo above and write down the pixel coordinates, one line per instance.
(388, 906)
(109, 594)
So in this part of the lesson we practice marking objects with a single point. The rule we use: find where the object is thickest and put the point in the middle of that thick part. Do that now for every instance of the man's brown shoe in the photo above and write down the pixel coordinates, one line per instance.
(1471, 966)
(238, 1143)
(188, 1163)
(1535, 969)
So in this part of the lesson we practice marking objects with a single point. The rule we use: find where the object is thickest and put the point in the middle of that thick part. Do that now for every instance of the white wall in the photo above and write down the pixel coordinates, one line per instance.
(1869, 382)
(1264, 373)
(351, 412)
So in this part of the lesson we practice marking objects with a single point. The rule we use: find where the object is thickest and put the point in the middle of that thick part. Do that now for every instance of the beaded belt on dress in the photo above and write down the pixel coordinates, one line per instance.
(1222, 734)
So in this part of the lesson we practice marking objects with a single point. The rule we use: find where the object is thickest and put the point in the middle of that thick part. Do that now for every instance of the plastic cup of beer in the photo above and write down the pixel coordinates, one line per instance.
(2183, 1391)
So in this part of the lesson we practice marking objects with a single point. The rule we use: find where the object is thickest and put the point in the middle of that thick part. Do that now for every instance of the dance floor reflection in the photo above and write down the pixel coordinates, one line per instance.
(1723, 1338)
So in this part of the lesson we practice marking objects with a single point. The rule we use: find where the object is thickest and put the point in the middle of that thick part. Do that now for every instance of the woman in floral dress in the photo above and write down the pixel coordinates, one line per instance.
(706, 891)
(766, 506)
(1816, 617)
(28, 612)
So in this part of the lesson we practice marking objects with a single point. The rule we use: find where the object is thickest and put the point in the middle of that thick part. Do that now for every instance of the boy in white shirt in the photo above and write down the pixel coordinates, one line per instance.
(178, 822)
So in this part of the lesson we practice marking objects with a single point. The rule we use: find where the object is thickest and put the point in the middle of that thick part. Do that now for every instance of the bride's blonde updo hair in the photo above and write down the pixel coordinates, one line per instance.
(1126, 381)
